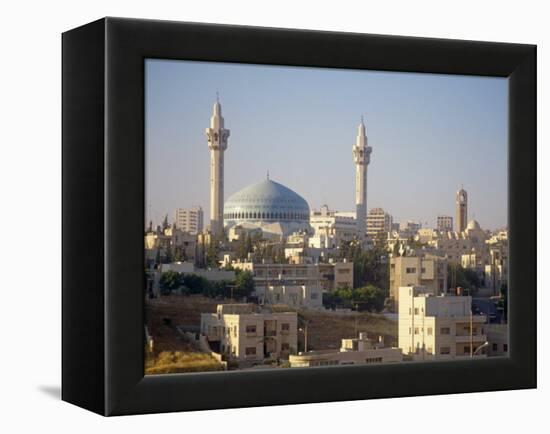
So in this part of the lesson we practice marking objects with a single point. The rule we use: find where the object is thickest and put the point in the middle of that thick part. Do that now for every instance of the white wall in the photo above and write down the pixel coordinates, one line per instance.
(30, 181)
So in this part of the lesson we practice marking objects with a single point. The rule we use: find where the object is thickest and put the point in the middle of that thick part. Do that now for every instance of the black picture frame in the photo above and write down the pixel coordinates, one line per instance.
(103, 215)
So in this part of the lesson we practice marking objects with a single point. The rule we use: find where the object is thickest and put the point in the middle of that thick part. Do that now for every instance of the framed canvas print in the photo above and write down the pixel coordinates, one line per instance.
(257, 216)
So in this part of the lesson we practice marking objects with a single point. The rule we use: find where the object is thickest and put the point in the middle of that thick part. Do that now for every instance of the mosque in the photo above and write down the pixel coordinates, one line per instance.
(268, 205)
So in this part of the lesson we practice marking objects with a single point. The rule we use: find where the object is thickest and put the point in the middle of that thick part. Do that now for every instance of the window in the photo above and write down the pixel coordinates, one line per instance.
(410, 270)
(445, 331)
(416, 311)
(416, 330)
(505, 348)
(445, 350)
(285, 326)
(467, 350)
(423, 270)
(250, 351)
(495, 347)
(285, 346)
(251, 329)
(314, 296)
(430, 331)
(235, 331)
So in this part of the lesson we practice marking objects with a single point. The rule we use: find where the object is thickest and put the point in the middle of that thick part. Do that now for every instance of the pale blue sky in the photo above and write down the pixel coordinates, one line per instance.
(429, 134)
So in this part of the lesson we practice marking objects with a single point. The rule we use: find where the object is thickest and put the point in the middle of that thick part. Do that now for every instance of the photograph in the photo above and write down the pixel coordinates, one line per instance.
(301, 217)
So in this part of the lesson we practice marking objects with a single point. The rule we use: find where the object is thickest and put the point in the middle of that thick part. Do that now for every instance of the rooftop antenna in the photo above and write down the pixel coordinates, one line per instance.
(217, 97)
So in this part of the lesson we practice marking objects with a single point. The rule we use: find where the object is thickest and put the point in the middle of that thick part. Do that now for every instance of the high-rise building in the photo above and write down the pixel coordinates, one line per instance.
(444, 223)
(361, 158)
(217, 137)
(189, 219)
(461, 210)
(378, 222)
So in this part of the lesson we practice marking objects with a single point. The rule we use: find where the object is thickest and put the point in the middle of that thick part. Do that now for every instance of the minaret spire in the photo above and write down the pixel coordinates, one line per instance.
(361, 158)
(217, 137)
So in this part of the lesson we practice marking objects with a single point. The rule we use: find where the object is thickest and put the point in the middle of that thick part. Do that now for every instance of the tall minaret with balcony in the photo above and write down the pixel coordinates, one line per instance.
(361, 158)
(217, 137)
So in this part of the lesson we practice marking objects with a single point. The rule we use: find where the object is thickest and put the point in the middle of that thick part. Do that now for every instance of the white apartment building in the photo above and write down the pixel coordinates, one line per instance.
(427, 271)
(439, 327)
(294, 296)
(189, 219)
(357, 351)
(378, 222)
(239, 332)
(331, 228)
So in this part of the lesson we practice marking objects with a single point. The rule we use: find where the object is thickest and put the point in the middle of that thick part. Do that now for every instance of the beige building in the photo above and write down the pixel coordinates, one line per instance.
(429, 272)
(189, 219)
(378, 222)
(331, 228)
(160, 242)
(439, 327)
(239, 332)
(294, 296)
(358, 351)
(497, 336)
(444, 223)
(327, 276)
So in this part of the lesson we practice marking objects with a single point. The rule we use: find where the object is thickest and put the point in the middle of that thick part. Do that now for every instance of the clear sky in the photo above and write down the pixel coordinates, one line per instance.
(429, 135)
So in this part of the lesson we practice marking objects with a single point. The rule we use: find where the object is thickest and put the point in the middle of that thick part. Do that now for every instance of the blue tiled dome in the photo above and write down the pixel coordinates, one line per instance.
(267, 201)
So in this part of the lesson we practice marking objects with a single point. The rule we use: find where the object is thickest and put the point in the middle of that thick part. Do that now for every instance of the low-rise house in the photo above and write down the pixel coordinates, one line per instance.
(241, 333)
(357, 351)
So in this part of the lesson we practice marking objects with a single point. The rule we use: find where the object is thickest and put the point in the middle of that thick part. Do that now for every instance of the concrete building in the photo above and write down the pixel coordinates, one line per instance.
(498, 337)
(294, 296)
(461, 210)
(378, 222)
(358, 351)
(444, 223)
(189, 220)
(331, 228)
(239, 332)
(429, 272)
(327, 276)
(439, 327)
(160, 243)
(361, 158)
(217, 137)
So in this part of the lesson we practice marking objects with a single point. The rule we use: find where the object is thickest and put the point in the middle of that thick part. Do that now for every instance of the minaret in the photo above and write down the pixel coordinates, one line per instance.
(217, 137)
(461, 210)
(361, 158)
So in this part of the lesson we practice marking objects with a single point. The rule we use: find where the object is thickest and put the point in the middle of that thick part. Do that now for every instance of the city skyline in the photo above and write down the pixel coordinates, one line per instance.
(300, 124)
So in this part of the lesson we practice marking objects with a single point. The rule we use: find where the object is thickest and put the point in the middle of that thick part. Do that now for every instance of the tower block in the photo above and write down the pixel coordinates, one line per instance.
(217, 137)
(361, 158)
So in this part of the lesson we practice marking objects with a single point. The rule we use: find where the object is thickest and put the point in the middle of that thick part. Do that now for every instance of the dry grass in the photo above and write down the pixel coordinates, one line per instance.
(172, 362)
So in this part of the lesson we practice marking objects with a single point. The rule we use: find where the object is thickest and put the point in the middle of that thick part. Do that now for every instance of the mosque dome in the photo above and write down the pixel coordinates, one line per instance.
(267, 203)
(473, 225)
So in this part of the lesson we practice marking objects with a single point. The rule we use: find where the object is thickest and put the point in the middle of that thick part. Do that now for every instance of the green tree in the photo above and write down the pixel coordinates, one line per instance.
(165, 224)
(170, 281)
(466, 278)
(369, 298)
(244, 284)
